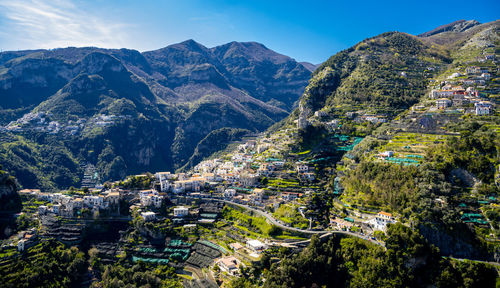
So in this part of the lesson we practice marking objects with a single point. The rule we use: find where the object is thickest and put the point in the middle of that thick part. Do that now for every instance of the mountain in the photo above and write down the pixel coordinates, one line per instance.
(384, 74)
(457, 26)
(127, 112)
(309, 66)
(376, 93)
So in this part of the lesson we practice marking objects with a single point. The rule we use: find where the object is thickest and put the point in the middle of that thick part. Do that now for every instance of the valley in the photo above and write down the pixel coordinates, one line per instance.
(385, 172)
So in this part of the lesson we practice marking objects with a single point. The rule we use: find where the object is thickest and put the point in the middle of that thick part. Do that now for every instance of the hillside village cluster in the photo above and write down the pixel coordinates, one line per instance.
(465, 90)
(237, 180)
(241, 178)
(41, 122)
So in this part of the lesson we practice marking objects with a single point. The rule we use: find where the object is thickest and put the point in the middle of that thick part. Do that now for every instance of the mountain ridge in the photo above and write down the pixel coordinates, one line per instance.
(188, 89)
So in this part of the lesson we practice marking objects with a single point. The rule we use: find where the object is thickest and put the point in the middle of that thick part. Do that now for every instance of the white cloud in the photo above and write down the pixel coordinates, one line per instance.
(56, 23)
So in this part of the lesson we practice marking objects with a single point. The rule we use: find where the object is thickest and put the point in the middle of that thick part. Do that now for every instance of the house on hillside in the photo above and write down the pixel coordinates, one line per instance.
(182, 186)
(443, 103)
(486, 76)
(384, 217)
(256, 246)
(229, 265)
(341, 224)
(483, 108)
(148, 216)
(289, 196)
(229, 193)
(302, 168)
(181, 211)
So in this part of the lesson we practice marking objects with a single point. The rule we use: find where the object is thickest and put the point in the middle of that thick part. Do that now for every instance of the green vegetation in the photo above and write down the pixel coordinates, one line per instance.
(256, 225)
(216, 140)
(39, 164)
(10, 201)
(138, 275)
(349, 262)
(289, 214)
(368, 75)
(47, 264)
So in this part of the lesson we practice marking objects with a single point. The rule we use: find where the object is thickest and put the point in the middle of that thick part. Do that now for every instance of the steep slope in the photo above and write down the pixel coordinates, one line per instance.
(127, 112)
(9, 199)
(272, 77)
(309, 66)
(384, 74)
(10, 203)
(457, 26)
(378, 81)
(27, 81)
(376, 138)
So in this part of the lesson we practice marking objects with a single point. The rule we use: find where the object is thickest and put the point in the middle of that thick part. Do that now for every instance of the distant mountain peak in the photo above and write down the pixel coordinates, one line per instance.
(252, 50)
(309, 66)
(189, 44)
(457, 26)
(96, 62)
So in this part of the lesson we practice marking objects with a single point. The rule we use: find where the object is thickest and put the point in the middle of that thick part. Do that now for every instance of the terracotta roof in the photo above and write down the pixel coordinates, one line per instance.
(385, 213)
(236, 246)
(229, 262)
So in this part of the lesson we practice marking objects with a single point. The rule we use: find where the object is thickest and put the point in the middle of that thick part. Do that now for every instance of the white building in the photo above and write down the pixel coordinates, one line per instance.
(21, 245)
(301, 168)
(248, 179)
(42, 210)
(93, 202)
(148, 216)
(483, 108)
(150, 198)
(228, 193)
(381, 220)
(320, 113)
(387, 154)
(56, 209)
(181, 211)
(256, 246)
(160, 176)
(182, 186)
(229, 265)
(443, 103)
(384, 217)
(435, 94)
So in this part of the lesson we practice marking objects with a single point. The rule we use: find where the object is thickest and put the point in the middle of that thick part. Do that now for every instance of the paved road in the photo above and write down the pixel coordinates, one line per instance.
(484, 262)
(273, 221)
(325, 233)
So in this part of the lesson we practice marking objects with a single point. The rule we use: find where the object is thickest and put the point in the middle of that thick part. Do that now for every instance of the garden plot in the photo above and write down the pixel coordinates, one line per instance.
(410, 148)
(203, 255)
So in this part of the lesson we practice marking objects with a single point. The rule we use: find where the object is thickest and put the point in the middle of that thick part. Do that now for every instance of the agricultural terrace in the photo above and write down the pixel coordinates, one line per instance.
(410, 148)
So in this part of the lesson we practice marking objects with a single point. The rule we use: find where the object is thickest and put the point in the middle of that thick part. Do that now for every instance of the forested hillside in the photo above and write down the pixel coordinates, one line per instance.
(125, 112)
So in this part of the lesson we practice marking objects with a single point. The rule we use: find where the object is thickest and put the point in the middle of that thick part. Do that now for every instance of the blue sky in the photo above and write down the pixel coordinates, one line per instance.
(305, 30)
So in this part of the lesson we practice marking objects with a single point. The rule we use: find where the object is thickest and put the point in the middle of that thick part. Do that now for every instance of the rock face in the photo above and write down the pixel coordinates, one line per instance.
(457, 26)
(9, 199)
(7, 185)
(162, 104)
(453, 245)
(249, 66)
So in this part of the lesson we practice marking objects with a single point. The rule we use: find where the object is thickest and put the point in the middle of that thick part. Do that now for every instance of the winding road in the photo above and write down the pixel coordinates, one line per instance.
(273, 221)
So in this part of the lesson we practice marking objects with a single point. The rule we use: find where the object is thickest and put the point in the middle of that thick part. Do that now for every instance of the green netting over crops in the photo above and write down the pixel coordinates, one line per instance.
(415, 156)
(208, 215)
(150, 260)
(177, 243)
(215, 246)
